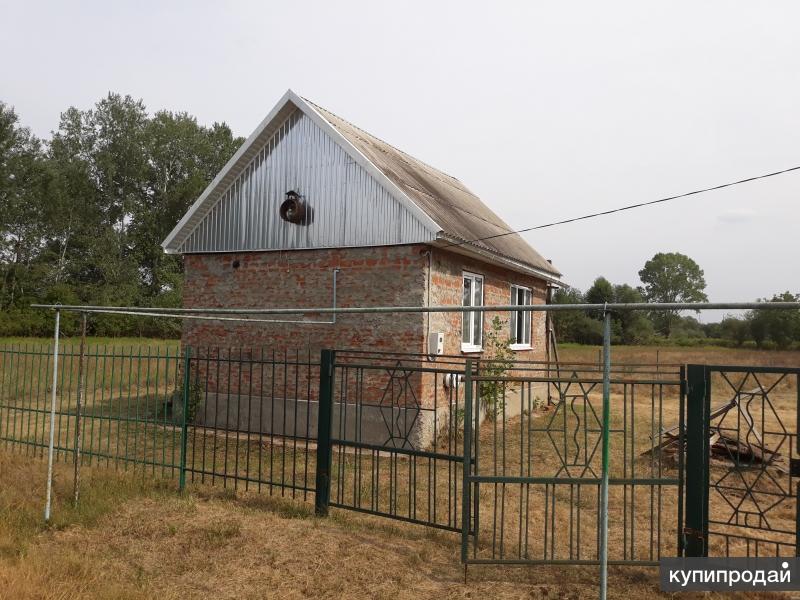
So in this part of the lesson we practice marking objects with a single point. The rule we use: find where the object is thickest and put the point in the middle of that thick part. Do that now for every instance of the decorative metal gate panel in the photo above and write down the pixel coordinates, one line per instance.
(535, 484)
(742, 461)
(396, 438)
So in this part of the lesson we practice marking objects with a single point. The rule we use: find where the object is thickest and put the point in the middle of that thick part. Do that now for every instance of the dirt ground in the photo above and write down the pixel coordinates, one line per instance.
(132, 540)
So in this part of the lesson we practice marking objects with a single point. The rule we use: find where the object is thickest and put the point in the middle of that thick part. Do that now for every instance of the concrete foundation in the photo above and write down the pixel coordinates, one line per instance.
(408, 427)
(394, 427)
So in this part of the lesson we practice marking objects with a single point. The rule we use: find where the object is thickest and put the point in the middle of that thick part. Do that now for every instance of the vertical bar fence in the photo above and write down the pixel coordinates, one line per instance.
(453, 444)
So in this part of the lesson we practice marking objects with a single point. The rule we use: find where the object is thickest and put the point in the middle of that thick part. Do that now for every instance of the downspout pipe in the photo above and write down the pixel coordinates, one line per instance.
(429, 357)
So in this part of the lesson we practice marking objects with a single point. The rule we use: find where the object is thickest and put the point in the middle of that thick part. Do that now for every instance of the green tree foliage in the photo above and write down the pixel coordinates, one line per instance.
(688, 327)
(633, 325)
(767, 328)
(573, 325)
(627, 326)
(671, 277)
(26, 216)
(734, 329)
(84, 214)
(601, 292)
(782, 327)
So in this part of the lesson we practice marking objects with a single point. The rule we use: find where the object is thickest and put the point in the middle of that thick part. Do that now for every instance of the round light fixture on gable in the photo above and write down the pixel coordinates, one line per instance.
(293, 209)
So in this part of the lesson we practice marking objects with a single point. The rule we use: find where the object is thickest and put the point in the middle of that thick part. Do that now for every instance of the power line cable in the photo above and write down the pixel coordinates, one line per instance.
(623, 208)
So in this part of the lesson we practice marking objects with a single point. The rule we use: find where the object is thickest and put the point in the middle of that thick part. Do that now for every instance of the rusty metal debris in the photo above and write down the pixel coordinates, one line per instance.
(741, 446)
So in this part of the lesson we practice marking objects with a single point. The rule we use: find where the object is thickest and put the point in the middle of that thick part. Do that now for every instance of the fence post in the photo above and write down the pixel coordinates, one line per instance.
(698, 414)
(51, 445)
(681, 459)
(76, 482)
(187, 354)
(466, 490)
(605, 455)
(324, 419)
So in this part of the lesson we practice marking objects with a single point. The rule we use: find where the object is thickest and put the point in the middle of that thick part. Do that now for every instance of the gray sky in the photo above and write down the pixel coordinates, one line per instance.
(545, 110)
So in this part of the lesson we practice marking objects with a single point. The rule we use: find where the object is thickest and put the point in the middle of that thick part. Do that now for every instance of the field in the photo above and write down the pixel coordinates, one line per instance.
(136, 537)
(680, 355)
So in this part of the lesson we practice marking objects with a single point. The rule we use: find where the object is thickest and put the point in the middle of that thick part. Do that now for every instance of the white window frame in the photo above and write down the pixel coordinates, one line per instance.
(524, 314)
(471, 345)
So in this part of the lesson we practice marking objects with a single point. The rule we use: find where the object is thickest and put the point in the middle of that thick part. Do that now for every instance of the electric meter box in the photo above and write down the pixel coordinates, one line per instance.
(436, 343)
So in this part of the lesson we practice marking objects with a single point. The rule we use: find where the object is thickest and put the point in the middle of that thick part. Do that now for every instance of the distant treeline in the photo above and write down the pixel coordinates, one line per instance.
(770, 329)
(82, 215)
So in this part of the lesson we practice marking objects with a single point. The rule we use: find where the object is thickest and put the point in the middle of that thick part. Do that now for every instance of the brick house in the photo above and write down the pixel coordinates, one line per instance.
(312, 211)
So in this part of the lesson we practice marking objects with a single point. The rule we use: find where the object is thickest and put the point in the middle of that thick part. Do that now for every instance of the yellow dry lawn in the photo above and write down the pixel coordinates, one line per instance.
(131, 539)
(710, 355)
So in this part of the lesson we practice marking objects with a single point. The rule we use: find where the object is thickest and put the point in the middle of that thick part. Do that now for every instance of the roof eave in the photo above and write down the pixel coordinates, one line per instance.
(452, 244)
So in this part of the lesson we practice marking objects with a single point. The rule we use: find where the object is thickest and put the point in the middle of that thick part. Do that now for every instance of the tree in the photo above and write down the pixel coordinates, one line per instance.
(601, 292)
(572, 325)
(671, 277)
(688, 327)
(634, 326)
(83, 215)
(499, 358)
(780, 326)
(784, 325)
(757, 323)
(26, 213)
(183, 159)
(734, 329)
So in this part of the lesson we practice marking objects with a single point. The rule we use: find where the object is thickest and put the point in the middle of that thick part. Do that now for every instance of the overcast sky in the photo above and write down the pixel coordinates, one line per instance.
(545, 110)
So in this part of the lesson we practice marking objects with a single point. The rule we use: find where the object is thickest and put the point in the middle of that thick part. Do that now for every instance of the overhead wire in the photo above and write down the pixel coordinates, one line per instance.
(624, 208)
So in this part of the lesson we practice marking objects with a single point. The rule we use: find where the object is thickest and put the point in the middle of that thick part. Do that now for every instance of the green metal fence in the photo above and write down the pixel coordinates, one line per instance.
(397, 437)
(536, 475)
(381, 433)
(165, 412)
(742, 461)
(127, 396)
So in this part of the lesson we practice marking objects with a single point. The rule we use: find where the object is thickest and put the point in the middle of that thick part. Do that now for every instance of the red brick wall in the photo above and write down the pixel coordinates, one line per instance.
(379, 276)
(383, 276)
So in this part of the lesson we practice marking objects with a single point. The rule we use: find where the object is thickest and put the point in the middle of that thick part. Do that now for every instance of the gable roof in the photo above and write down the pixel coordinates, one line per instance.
(457, 217)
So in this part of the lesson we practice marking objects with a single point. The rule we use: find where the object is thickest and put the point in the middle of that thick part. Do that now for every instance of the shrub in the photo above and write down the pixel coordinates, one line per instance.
(500, 358)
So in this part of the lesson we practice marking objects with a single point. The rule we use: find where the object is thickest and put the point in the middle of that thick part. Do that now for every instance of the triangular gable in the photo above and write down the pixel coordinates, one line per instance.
(295, 148)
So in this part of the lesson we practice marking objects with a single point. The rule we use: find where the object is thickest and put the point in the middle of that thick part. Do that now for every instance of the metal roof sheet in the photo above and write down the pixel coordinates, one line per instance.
(459, 212)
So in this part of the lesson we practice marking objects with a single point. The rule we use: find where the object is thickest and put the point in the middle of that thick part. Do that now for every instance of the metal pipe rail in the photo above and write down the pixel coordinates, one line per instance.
(185, 312)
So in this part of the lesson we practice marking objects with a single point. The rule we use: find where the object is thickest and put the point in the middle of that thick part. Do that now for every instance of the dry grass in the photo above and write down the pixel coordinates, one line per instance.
(136, 541)
(711, 355)
(94, 341)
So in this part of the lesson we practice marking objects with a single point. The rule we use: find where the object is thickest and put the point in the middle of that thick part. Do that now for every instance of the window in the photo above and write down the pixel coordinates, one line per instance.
(520, 319)
(472, 321)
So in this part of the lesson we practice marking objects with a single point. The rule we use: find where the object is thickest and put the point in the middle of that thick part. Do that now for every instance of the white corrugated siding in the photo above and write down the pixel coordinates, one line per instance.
(350, 208)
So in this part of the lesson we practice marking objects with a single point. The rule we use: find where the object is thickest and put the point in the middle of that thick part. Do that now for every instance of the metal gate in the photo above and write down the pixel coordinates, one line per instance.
(742, 461)
(535, 482)
(396, 437)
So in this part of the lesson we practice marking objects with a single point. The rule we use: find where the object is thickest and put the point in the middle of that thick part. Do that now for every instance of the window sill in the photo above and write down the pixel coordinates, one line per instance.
(468, 349)
(518, 347)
